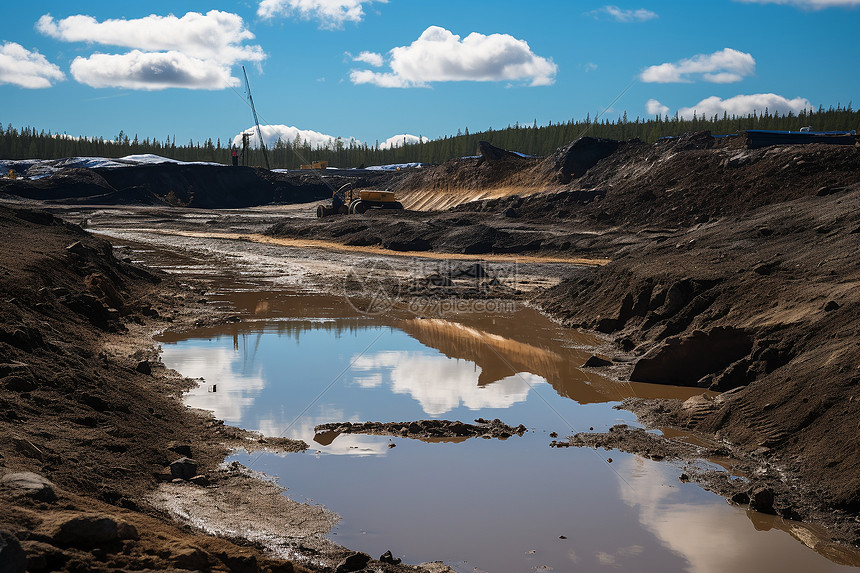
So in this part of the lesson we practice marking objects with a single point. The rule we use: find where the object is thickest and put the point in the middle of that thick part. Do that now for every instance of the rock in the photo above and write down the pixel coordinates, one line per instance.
(144, 367)
(183, 468)
(596, 362)
(761, 500)
(353, 562)
(191, 558)
(12, 557)
(85, 531)
(29, 484)
(387, 557)
(200, 480)
(741, 498)
(831, 306)
(80, 249)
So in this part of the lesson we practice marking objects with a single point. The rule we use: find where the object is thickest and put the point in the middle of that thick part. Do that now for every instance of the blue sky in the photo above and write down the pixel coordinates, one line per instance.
(373, 69)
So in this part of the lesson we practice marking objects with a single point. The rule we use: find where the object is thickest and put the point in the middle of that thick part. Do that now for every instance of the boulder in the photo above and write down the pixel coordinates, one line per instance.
(353, 562)
(30, 485)
(387, 557)
(85, 531)
(12, 557)
(183, 468)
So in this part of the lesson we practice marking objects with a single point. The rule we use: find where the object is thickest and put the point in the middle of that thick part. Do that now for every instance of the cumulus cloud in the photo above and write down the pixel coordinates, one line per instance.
(195, 51)
(725, 66)
(808, 4)
(401, 140)
(441, 56)
(619, 15)
(370, 58)
(216, 35)
(151, 71)
(21, 67)
(654, 107)
(287, 134)
(330, 13)
(743, 105)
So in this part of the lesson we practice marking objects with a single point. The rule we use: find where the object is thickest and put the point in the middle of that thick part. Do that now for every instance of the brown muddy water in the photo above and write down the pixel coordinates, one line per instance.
(297, 360)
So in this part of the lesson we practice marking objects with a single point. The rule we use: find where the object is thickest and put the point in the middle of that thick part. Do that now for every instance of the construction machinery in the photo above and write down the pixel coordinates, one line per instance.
(348, 201)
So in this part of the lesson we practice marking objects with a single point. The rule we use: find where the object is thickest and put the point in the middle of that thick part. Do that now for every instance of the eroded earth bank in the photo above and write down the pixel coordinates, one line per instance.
(700, 262)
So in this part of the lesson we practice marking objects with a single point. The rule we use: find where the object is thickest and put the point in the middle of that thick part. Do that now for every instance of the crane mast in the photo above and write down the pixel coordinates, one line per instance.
(256, 121)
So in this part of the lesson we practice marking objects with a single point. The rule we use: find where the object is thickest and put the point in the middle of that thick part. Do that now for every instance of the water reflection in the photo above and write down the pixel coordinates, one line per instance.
(710, 536)
(485, 504)
(440, 384)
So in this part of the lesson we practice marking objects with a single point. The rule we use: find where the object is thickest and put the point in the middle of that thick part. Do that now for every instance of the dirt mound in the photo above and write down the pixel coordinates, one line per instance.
(187, 185)
(88, 429)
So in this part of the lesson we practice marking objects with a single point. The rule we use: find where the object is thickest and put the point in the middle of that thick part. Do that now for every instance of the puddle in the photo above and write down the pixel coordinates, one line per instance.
(511, 505)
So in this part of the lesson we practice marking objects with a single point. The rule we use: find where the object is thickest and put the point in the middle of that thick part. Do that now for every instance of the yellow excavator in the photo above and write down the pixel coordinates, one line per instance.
(349, 201)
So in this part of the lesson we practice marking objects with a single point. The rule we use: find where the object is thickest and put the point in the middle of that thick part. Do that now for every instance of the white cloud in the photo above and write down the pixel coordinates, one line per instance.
(808, 4)
(371, 58)
(401, 140)
(441, 56)
(216, 35)
(151, 71)
(619, 15)
(195, 51)
(330, 13)
(725, 66)
(654, 107)
(21, 67)
(743, 105)
(287, 134)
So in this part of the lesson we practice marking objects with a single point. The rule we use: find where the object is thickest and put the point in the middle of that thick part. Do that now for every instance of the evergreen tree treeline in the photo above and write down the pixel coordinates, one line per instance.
(27, 143)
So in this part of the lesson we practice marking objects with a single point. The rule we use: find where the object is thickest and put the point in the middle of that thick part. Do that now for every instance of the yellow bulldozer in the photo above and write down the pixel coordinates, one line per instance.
(348, 201)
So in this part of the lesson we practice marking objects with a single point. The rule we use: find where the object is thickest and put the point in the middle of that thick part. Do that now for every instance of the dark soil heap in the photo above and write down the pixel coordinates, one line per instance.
(186, 185)
(87, 427)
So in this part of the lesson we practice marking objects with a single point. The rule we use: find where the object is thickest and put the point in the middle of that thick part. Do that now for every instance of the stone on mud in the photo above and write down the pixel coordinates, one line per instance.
(353, 562)
(183, 468)
(30, 485)
(144, 367)
(84, 531)
(387, 557)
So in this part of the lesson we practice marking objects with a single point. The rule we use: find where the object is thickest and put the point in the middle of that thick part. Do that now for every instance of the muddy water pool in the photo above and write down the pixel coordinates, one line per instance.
(295, 360)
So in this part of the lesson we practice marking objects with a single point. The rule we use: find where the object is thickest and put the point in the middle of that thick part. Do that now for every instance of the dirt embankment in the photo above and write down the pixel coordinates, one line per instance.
(92, 423)
(187, 185)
